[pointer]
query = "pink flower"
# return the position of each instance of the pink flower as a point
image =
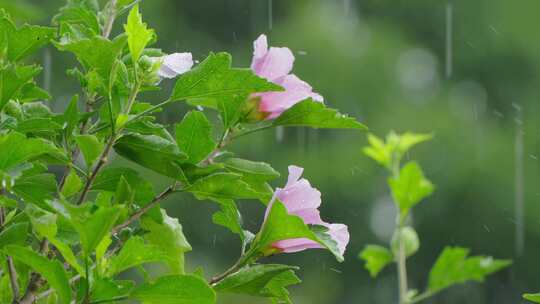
(301, 199)
(174, 64)
(275, 64)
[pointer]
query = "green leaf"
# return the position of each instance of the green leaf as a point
(42, 126)
(194, 136)
(454, 267)
(25, 40)
(376, 258)
(97, 53)
(44, 223)
(105, 289)
(169, 237)
(137, 32)
(229, 217)
(410, 187)
(152, 152)
(314, 114)
(77, 13)
(280, 225)
(135, 252)
(214, 77)
(124, 193)
(221, 186)
(72, 184)
(411, 242)
(35, 188)
(533, 297)
(52, 271)
(92, 227)
(268, 280)
(255, 170)
(175, 289)
(91, 148)
(386, 153)
(230, 108)
(13, 78)
(14, 234)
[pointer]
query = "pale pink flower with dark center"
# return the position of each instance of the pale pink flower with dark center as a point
(274, 64)
(301, 199)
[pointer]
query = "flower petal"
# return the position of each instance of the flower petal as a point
(175, 64)
(296, 90)
(296, 245)
(271, 63)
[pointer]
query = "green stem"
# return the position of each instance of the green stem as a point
(252, 131)
(110, 300)
(421, 297)
(402, 255)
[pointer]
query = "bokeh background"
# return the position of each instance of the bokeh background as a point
(465, 70)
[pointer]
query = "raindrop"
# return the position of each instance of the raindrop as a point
(280, 133)
(270, 15)
(519, 183)
(448, 61)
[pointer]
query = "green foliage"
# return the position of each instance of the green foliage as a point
(453, 266)
(533, 297)
(214, 77)
(137, 32)
(194, 136)
(169, 237)
(410, 187)
(74, 221)
(408, 236)
(175, 289)
(52, 271)
(376, 258)
(314, 114)
(268, 281)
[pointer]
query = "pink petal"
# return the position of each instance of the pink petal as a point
(296, 90)
(296, 245)
(175, 64)
(294, 174)
(340, 234)
(271, 63)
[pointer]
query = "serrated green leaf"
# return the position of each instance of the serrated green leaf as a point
(13, 78)
(77, 13)
(36, 188)
(42, 126)
(255, 170)
(454, 267)
(169, 237)
(105, 289)
(14, 234)
(392, 150)
(135, 252)
(90, 147)
(268, 280)
(152, 152)
(221, 186)
(175, 289)
(72, 184)
(314, 114)
(138, 33)
(194, 136)
(92, 227)
(97, 53)
(214, 77)
(410, 187)
(52, 271)
(376, 258)
(533, 297)
(229, 217)
(25, 40)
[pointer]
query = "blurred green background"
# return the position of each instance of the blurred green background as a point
(465, 70)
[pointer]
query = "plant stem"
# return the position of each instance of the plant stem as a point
(107, 28)
(12, 272)
(402, 255)
(252, 131)
(421, 297)
(135, 216)
(234, 268)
